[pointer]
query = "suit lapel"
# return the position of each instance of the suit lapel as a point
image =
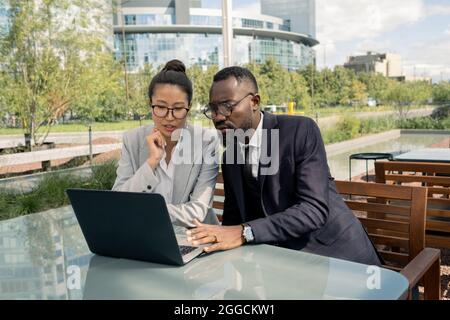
(143, 149)
(183, 170)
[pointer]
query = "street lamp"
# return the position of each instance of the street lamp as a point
(227, 32)
(124, 53)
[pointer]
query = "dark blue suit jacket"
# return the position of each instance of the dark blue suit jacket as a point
(302, 206)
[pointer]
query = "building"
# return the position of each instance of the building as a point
(300, 14)
(3, 16)
(161, 30)
(412, 78)
(387, 64)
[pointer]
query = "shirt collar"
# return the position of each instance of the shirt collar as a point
(177, 148)
(256, 139)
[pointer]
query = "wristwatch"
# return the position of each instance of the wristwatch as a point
(247, 233)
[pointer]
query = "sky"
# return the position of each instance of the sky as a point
(418, 30)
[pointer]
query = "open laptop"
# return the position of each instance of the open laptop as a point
(129, 225)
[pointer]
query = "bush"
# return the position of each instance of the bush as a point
(349, 127)
(422, 123)
(104, 176)
(441, 113)
(51, 191)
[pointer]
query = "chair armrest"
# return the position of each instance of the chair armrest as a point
(425, 265)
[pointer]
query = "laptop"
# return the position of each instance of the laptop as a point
(129, 225)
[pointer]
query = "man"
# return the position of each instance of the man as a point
(295, 206)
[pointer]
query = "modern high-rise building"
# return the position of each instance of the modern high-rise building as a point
(300, 14)
(3, 16)
(156, 31)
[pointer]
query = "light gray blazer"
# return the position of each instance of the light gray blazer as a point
(195, 178)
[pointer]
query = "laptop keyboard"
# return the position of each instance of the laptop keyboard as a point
(186, 249)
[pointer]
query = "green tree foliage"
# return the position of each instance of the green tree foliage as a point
(404, 95)
(441, 93)
(138, 99)
(51, 65)
(201, 79)
(376, 85)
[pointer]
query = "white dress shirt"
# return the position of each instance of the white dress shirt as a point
(255, 147)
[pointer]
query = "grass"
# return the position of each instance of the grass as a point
(342, 110)
(350, 127)
(101, 126)
(79, 127)
(198, 119)
(50, 191)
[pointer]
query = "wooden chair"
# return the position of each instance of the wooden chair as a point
(397, 231)
(434, 176)
(399, 241)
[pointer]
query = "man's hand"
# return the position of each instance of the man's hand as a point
(220, 237)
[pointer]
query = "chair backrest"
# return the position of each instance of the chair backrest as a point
(393, 216)
(219, 196)
(434, 176)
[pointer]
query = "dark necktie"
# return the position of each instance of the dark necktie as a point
(247, 165)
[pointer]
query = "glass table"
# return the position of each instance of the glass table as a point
(45, 256)
(426, 155)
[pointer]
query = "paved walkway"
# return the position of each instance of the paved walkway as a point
(10, 141)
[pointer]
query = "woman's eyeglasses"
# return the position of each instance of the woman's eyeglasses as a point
(177, 113)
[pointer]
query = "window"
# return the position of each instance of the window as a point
(250, 23)
(130, 19)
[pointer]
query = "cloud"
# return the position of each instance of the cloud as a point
(348, 27)
(254, 6)
(436, 10)
(434, 60)
(345, 20)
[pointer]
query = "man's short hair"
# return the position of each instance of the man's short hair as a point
(239, 73)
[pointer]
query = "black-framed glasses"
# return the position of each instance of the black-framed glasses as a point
(177, 113)
(225, 109)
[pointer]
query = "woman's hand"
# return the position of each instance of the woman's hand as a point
(156, 147)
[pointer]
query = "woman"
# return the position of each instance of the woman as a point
(169, 157)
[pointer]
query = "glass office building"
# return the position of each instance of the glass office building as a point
(156, 31)
(3, 16)
(301, 14)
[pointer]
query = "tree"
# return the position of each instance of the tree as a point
(202, 81)
(441, 93)
(376, 85)
(403, 95)
(52, 60)
(298, 91)
(358, 93)
(138, 99)
(274, 80)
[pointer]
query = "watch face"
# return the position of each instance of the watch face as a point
(248, 234)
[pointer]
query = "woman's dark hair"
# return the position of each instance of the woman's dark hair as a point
(173, 73)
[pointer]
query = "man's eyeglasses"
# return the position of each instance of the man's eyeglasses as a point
(225, 108)
(177, 113)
